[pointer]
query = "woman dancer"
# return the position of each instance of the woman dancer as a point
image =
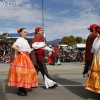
(22, 73)
(93, 81)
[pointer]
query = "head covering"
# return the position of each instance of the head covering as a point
(37, 29)
(92, 27)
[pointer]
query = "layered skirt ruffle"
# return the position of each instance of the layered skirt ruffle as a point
(22, 72)
(93, 81)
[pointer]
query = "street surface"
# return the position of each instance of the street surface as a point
(70, 84)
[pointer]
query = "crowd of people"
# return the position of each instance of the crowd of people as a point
(66, 56)
(72, 56)
(7, 55)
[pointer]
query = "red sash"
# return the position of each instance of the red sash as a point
(40, 52)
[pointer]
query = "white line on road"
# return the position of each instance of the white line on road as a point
(67, 85)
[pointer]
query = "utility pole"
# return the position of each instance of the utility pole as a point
(43, 16)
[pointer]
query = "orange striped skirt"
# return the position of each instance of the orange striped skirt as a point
(22, 72)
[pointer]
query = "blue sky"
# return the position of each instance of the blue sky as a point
(61, 17)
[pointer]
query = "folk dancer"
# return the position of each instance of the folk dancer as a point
(22, 73)
(88, 54)
(39, 46)
(93, 81)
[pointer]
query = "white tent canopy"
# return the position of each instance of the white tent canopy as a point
(79, 46)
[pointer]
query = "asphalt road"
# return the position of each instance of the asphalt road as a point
(70, 85)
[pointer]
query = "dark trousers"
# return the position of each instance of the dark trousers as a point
(33, 58)
(87, 66)
(53, 61)
(42, 67)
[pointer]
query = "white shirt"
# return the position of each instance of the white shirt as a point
(96, 47)
(23, 45)
(40, 45)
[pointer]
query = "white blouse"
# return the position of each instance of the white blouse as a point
(23, 45)
(96, 47)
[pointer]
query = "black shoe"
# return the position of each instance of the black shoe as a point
(56, 85)
(24, 91)
(53, 87)
(20, 93)
(85, 71)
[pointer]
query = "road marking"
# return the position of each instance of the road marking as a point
(72, 85)
(67, 85)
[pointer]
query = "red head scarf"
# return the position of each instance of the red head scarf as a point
(37, 29)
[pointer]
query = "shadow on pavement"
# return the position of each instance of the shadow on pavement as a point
(9, 89)
(2, 93)
(13, 90)
(77, 90)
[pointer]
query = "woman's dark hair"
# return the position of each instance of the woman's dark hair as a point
(20, 30)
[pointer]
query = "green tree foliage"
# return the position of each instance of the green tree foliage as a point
(10, 40)
(5, 40)
(79, 39)
(71, 40)
(5, 34)
(64, 40)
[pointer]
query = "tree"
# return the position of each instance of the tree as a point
(64, 40)
(5, 40)
(5, 34)
(10, 40)
(79, 39)
(71, 40)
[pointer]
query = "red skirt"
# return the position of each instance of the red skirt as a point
(49, 61)
(22, 72)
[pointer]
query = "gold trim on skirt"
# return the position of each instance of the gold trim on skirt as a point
(93, 81)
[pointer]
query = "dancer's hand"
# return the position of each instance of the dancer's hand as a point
(21, 52)
(45, 45)
(32, 49)
(53, 50)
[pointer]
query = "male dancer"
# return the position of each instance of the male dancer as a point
(39, 45)
(88, 54)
